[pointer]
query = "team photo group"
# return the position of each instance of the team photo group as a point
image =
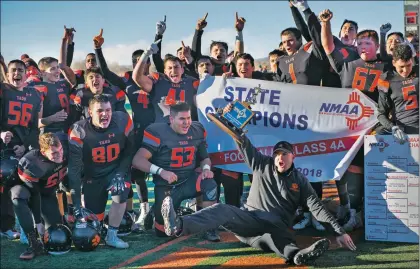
(77, 146)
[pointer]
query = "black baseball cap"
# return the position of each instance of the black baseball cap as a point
(283, 146)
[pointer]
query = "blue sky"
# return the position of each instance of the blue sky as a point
(36, 27)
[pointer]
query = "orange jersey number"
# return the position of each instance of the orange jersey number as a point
(106, 153)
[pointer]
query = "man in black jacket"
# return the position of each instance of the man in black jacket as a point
(277, 190)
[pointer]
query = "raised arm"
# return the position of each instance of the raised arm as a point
(157, 57)
(327, 38)
(300, 22)
(139, 77)
(70, 48)
(199, 29)
(384, 29)
(110, 76)
(66, 70)
(239, 40)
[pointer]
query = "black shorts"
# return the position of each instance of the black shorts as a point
(95, 193)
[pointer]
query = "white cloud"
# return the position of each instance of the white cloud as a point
(256, 45)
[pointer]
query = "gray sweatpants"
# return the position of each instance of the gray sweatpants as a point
(247, 227)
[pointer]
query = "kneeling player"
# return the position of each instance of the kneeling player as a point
(102, 147)
(40, 171)
(170, 152)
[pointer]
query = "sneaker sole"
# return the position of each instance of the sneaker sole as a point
(166, 210)
(319, 249)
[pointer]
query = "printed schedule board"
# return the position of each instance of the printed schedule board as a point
(391, 189)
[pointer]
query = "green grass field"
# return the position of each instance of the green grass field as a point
(148, 251)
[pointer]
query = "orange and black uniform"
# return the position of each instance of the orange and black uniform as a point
(178, 153)
(35, 194)
(100, 154)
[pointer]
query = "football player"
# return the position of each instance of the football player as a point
(168, 88)
(399, 93)
(358, 70)
(102, 147)
(95, 84)
(142, 115)
(171, 152)
(40, 172)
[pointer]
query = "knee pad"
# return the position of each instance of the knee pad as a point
(121, 198)
(20, 192)
(209, 189)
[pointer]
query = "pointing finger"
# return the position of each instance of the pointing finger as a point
(205, 16)
(236, 13)
(183, 45)
(164, 19)
(230, 69)
(101, 32)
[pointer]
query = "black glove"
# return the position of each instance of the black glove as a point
(117, 185)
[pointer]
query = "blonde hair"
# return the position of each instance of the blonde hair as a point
(48, 140)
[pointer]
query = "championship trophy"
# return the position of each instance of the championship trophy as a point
(234, 121)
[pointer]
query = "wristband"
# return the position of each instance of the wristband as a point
(206, 167)
(239, 36)
(159, 171)
(154, 169)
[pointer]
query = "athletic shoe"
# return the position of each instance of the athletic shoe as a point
(112, 240)
(317, 225)
(303, 223)
(11, 234)
(312, 252)
(172, 223)
(212, 235)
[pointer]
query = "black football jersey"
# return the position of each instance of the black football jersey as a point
(35, 168)
(165, 91)
(400, 96)
(98, 150)
(175, 152)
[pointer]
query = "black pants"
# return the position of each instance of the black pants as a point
(95, 194)
(246, 226)
(191, 188)
(233, 186)
(7, 214)
(23, 203)
(139, 177)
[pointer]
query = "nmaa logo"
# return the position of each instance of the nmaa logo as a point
(353, 110)
(381, 144)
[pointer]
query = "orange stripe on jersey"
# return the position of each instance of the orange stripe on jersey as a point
(152, 137)
(127, 75)
(231, 174)
(129, 126)
(155, 76)
(160, 227)
(383, 85)
(198, 183)
(26, 176)
(120, 95)
(205, 134)
(292, 73)
(195, 84)
(74, 137)
(307, 46)
(41, 88)
(345, 53)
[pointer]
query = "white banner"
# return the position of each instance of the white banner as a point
(391, 189)
(326, 125)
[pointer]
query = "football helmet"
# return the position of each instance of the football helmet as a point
(57, 239)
